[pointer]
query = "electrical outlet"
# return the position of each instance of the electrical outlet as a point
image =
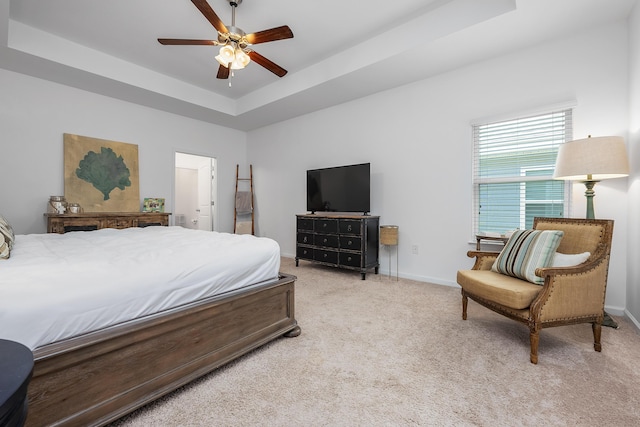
(415, 249)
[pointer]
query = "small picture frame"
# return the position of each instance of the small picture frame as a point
(153, 204)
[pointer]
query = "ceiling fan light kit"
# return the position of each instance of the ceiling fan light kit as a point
(231, 56)
(235, 52)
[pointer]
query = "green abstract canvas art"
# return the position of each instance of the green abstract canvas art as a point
(101, 175)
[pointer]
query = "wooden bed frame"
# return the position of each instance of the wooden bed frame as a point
(96, 378)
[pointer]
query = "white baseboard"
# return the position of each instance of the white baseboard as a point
(633, 319)
(616, 311)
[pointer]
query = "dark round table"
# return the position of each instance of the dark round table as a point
(16, 367)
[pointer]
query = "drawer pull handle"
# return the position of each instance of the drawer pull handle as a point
(350, 243)
(325, 240)
(305, 239)
(348, 258)
(325, 255)
(349, 227)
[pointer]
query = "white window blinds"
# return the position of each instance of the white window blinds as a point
(513, 169)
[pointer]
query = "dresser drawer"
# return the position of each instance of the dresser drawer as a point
(349, 226)
(326, 226)
(325, 256)
(350, 259)
(153, 222)
(121, 222)
(62, 226)
(305, 238)
(305, 224)
(304, 253)
(326, 240)
(351, 243)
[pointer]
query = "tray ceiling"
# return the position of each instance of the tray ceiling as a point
(340, 50)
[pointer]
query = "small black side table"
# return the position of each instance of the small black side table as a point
(16, 367)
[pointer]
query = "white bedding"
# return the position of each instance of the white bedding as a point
(56, 286)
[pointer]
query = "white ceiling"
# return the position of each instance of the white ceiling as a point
(341, 50)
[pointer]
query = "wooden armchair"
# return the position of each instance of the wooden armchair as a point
(569, 295)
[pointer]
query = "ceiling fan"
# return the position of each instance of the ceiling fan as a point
(235, 52)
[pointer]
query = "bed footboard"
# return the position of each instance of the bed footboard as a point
(99, 377)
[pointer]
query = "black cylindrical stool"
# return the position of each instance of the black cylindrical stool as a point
(16, 367)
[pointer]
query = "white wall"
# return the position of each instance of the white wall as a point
(633, 248)
(418, 140)
(34, 115)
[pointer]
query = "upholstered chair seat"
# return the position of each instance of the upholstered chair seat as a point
(503, 290)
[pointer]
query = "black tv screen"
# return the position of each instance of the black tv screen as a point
(339, 189)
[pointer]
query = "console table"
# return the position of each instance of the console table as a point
(62, 223)
(343, 241)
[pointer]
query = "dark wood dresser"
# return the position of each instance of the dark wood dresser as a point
(62, 223)
(343, 241)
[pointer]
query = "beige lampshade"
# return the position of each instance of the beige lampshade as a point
(389, 235)
(592, 159)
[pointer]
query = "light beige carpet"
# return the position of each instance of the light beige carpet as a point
(385, 353)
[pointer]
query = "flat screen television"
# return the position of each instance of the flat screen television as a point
(339, 189)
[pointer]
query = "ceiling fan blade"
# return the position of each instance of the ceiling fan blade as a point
(269, 65)
(211, 16)
(187, 42)
(273, 34)
(223, 72)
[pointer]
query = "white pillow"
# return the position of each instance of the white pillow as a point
(569, 260)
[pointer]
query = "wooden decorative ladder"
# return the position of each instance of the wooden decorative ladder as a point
(243, 215)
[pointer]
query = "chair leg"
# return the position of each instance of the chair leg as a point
(465, 301)
(534, 338)
(597, 330)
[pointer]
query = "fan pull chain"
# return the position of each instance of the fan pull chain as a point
(230, 76)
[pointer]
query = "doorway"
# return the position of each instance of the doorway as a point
(195, 191)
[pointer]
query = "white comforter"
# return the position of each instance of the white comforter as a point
(56, 286)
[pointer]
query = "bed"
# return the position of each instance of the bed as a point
(118, 318)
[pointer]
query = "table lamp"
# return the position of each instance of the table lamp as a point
(590, 160)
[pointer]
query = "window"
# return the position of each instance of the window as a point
(513, 171)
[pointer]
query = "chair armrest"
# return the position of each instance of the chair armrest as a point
(598, 257)
(572, 292)
(484, 259)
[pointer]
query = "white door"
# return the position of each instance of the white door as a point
(185, 210)
(194, 203)
(205, 204)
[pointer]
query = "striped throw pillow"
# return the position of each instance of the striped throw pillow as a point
(527, 250)
(7, 231)
(4, 248)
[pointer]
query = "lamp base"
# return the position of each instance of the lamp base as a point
(589, 194)
(608, 321)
